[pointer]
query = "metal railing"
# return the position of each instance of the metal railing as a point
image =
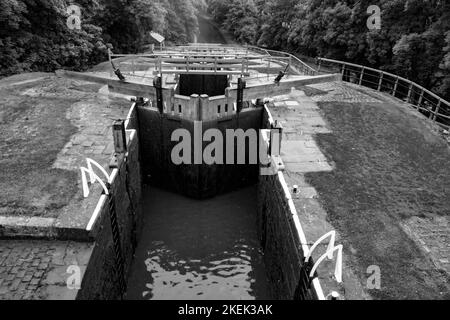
(295, 63)
(426, 102)
(218, 56)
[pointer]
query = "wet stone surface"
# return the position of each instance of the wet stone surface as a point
(32, 270)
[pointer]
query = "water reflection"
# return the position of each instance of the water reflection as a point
(199, 249)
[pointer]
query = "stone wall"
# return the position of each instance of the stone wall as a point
(280, 233)
(283, 254)
(101, 279)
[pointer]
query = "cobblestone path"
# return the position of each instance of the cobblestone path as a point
(31, 270)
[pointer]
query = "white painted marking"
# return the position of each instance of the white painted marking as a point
(130, 115)
(338, 268)
(96, 213)
(318, 289)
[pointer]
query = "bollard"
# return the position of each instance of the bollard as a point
(240, 94)
(334, 295)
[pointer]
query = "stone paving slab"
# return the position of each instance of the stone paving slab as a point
(301, 120)
(92, 112)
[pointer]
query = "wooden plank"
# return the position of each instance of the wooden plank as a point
(202, 66)
(123, 87)
(270, 89)
(201, 72)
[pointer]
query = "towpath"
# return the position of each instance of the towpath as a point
(374, 170)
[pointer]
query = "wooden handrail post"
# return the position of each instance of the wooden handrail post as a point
(343, 72)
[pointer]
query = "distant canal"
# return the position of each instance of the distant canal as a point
(198, 249)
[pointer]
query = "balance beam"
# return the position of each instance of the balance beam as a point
(123, 87)
(270, 89)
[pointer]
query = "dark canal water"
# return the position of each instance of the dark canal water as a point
(198, 249)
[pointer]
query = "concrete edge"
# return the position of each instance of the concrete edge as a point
(298, 226)
(51, 228)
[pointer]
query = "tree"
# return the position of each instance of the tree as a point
(34, 35)
(412, 40)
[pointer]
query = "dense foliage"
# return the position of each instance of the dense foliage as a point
(34, 35)
(414, 40)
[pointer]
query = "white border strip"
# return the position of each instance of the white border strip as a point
(271, 121)
(114, 173)
(300, 232)
(318, 288)
(96, 213)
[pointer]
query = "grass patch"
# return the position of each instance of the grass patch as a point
(389, 167)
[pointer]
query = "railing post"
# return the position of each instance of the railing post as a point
(320, 64)
(361, 76)
(381, 81)
(409, 92)
(419, 104)
(436, 111)
(343, 72)
(395, 87)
